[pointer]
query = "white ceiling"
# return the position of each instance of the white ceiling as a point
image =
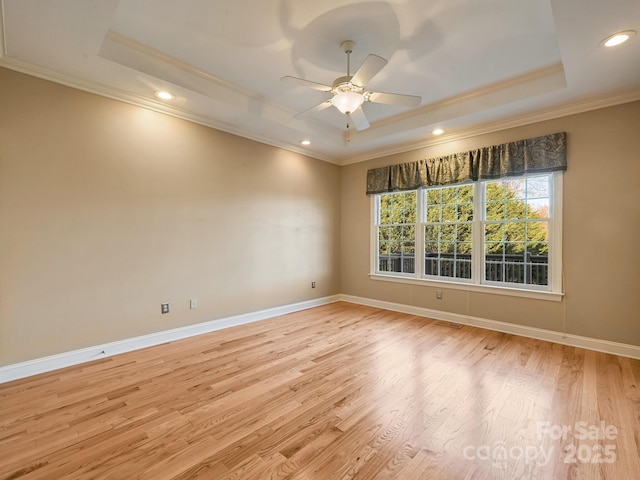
(479, 65)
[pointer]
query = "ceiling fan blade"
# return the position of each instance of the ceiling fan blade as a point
(359, 119)
(371, 66)
(301, 82)
(394, 99)
(317, 108)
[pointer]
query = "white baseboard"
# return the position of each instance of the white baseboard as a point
(605, 346)
(75, 357)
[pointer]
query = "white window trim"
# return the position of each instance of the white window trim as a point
(552, 292)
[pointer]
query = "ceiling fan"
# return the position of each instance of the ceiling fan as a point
(348, 93)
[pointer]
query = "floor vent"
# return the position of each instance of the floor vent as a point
(449, 324)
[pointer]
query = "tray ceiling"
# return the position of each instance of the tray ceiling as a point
(477, 64)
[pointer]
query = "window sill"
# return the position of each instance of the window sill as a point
(490, 289)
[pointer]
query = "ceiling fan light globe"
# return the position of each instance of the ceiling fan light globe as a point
(347, 102)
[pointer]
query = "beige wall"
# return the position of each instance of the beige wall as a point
(107, 210)
(601, 232)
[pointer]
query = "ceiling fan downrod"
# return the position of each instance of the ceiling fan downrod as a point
(347, 46)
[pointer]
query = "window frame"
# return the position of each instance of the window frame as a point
(553, 291)
(424, 223)
(377, 226)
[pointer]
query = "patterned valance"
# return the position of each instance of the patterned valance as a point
(533, 155)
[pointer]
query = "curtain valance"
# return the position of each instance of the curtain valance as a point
(533, 155)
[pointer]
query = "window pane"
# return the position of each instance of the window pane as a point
(384, 210)
(463, 248)
(513, 248)
(465, 212)
(446, 247)
(494, 232)
(538, 187)
(537, 231)
(396, 233)
(515, 188)
(540, 248)
(538, 208)
(539, 271)
(434, 213)
(515, 210)
(463, 259)
(431, 248)
(447, 266)
(449, 213)
(463, 267)
(409, 248)
(515, 231)
(463, 232)
(431, 233)
(433, 196)
(409, 205)
(465, 194)
(495, 210)
(516, 245)
(448, 231)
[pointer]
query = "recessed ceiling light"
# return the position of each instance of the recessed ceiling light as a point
(618, 38)
(438, 131)
(306, 142)
(163, 94)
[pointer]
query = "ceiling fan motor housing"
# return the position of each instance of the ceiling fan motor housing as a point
(343, 84)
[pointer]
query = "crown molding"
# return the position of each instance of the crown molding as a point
(523, 120)
(474, 131)
(149, 104)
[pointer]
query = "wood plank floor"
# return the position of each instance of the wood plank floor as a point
(338, 391)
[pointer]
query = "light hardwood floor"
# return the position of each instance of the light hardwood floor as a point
(339, 391)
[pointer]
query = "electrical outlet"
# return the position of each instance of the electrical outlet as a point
(164, 308)
(313, 284)
(193, 304)
(439, 294)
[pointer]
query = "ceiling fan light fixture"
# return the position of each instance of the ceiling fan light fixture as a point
(347, 102)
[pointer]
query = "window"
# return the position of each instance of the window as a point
(396, 232)
(448, 228)
(516, 230)
(497, 233)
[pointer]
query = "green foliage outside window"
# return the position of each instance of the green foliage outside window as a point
(515, 237)
(397, 231)
(516, 216)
